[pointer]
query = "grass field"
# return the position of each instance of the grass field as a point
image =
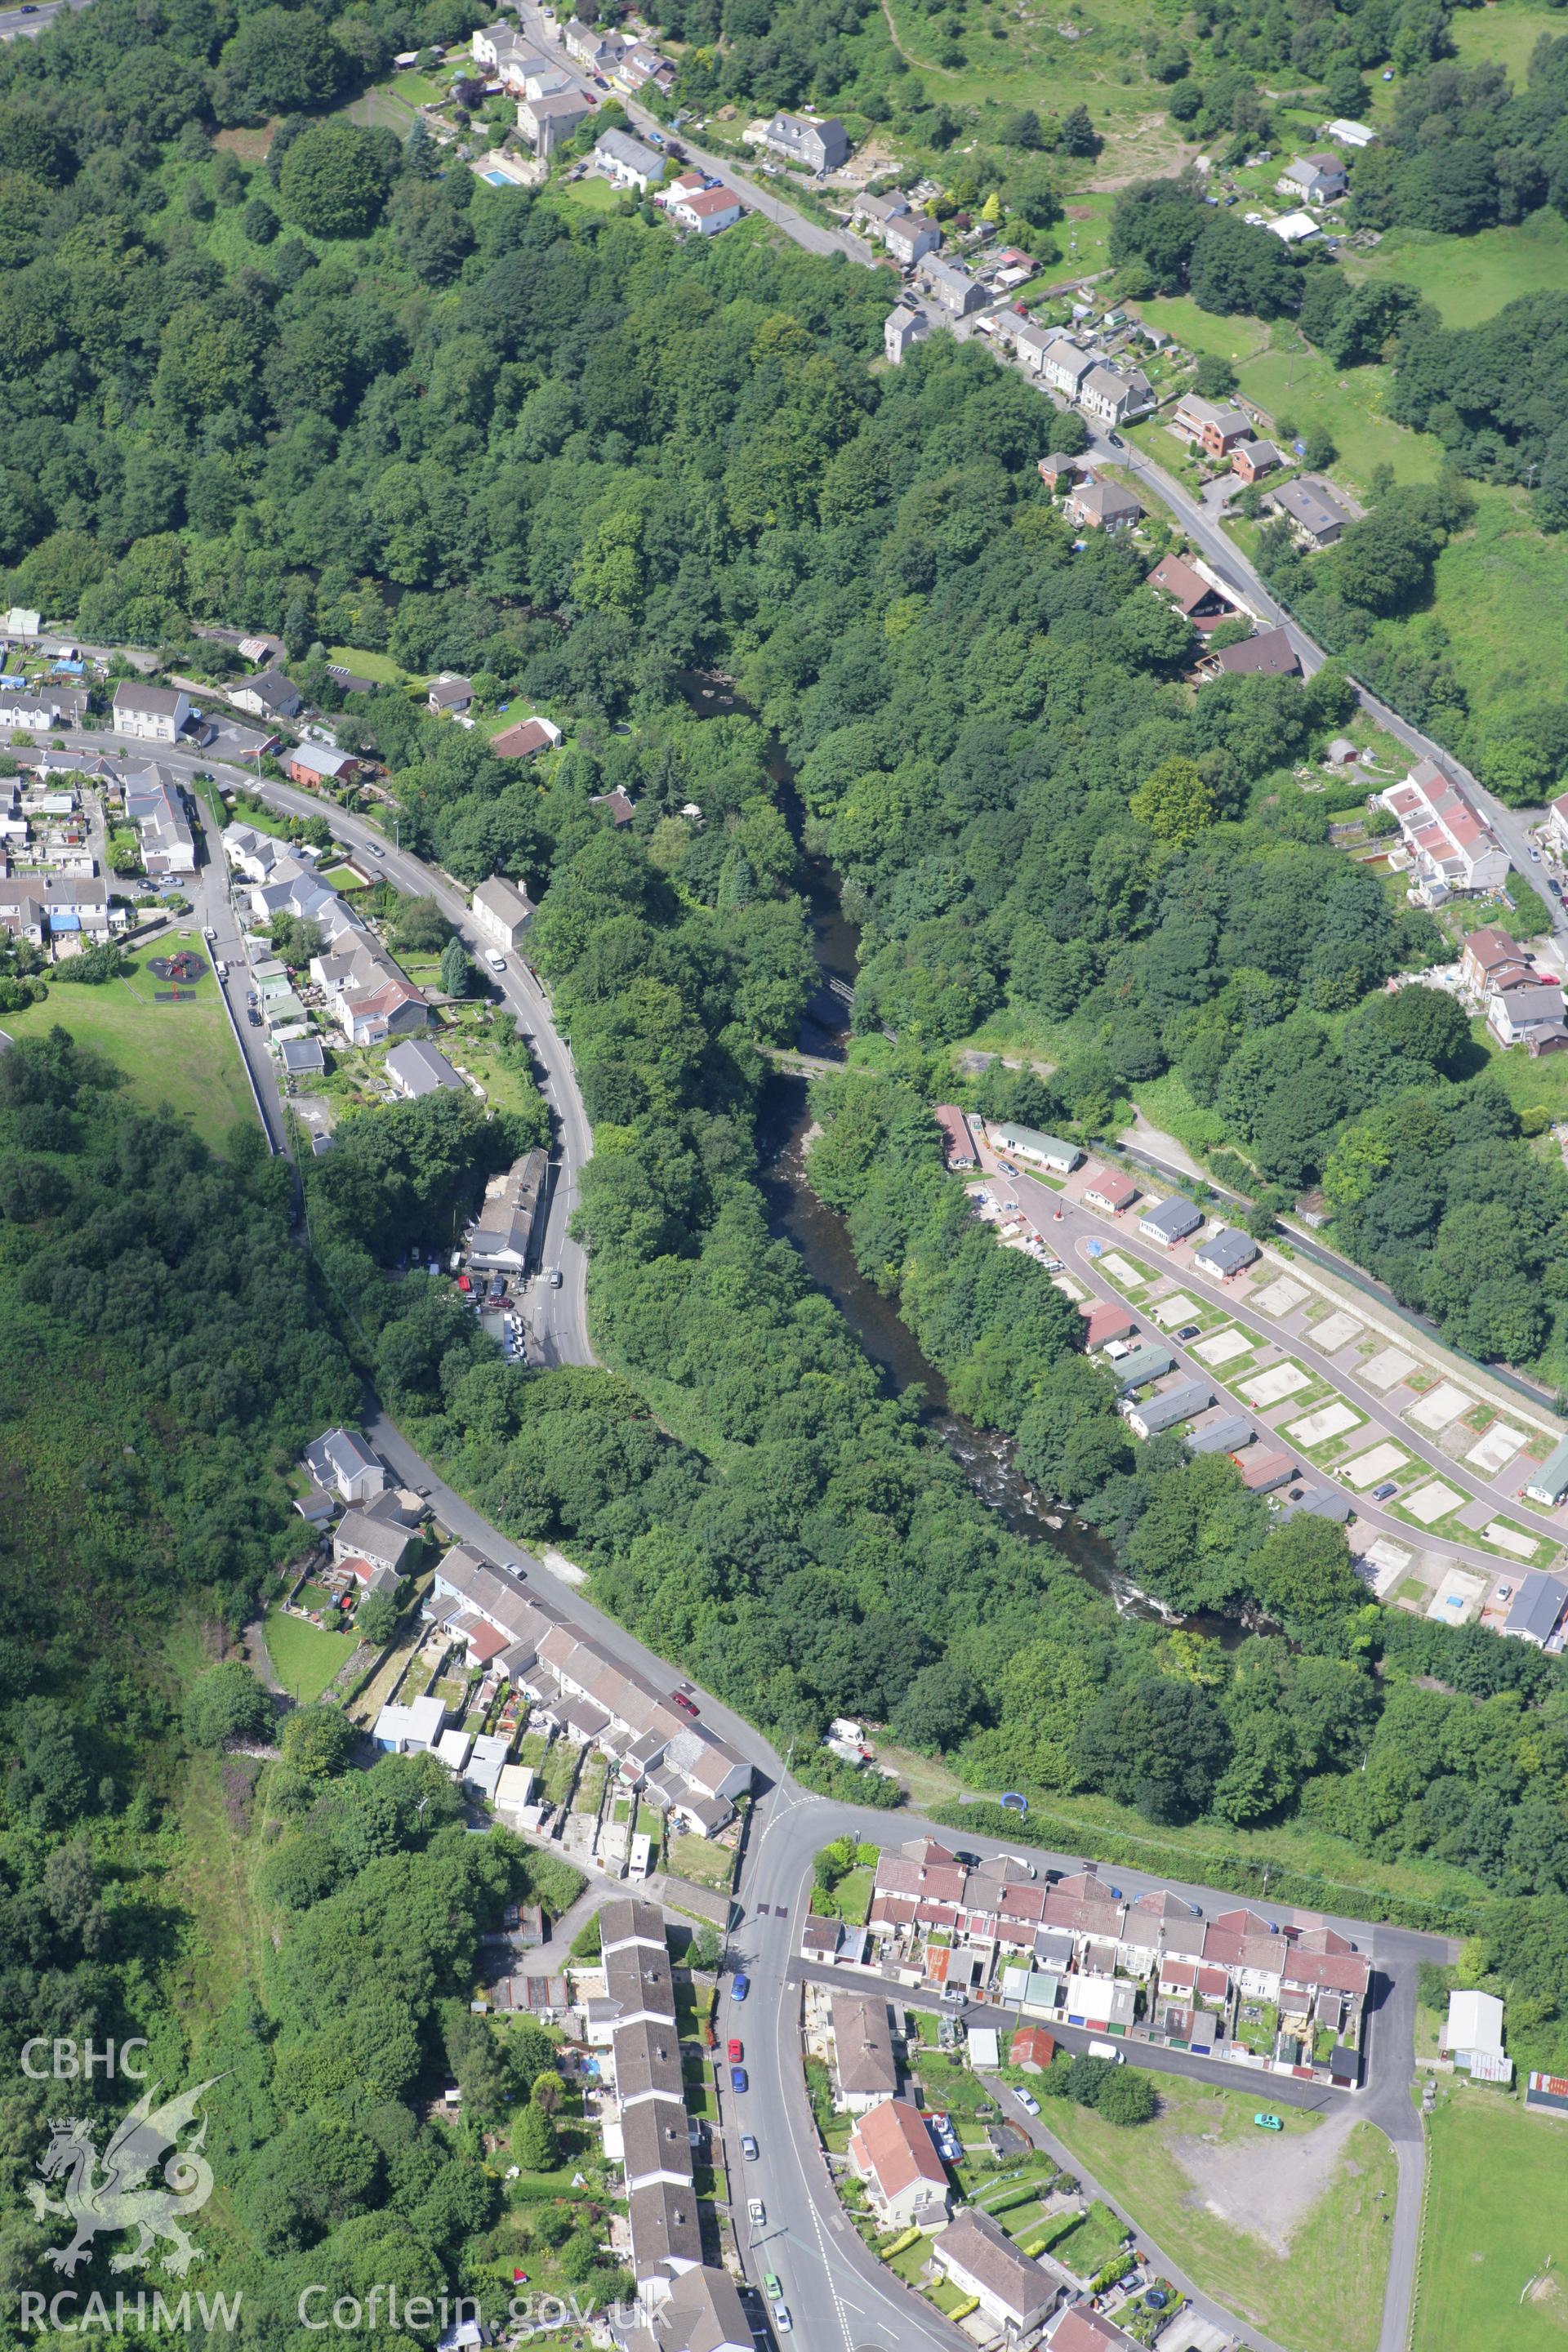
(1501, 34)
(379, 666)
(1502, 586)
(1496, 2217)
(1328, 2288)
(593, 195)
(306, 1658)
(180, 1054)
(1472, 278)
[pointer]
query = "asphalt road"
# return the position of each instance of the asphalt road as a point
(838, 2294)
(1079, 1226)
(807, 234)
(560, 1317)
(15, 21)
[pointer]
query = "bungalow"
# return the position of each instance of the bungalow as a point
(629, 161)
(817, 147)
(1045, 1150)
(1263, 1468)
(268, 696)
(1225, 1251)
(1214, 426)
(864, 2063)
(902, 329)
(342, 1460)
(1197, 600)
(410, 1730)
(1115, 396)
(527, 740)
(980, 2260)
(1147, 1362)
(393, 1009)
(313, 764)
(155, 714)
(416, 1068)
(1271, 654)
(891, 2149)
(1104, 1322)
(548, 121)
(1169, 1222)
(1549, 1484)
(1345, 133)
(1101, 506)
(1167, 1408)
(957, 1143)
(1250, 460)
(949, 285)
(1228, 1434)
(1313, 179)
(1080, 2328)
(501, 911)
(1315, 515)
(449, 695)
(1110, 1190)
(618, 804)
(1294, 228)
(1537, 1610)
(301, 1057)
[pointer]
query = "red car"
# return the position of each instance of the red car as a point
(682, 1702)
(735, 2053)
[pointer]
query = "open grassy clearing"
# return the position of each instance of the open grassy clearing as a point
(179, 1053)
(1501, 34)
(1502, 587)
(1472, 278)
(1204, 2152)
(1496, 2220)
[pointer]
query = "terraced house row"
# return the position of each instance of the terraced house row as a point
(577, 1688)
(1077, 1952)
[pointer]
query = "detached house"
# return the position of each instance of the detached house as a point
(1101, 506)
(1211, 426)
(1250, 460)
(1313, 179)
(501, 911)
(816, 147)
(866, 2068)
(270, 696)
(1269, 654)
(340, 1460)
(891, 2150)
(1314, 514)
(947, 285)
(449, 696)
(548, 120)
(629, 161)
(1197, 599)
(901, 330)
(1494, 962)
(157, 714)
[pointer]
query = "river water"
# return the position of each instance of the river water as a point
(818, 1232)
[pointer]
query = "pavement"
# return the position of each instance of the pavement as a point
(29, 23)
(1071, 1238)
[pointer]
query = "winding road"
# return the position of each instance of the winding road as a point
(840, 2297)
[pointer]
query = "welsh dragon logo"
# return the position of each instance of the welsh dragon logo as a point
(123, 2196)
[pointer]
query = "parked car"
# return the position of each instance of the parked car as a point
(782, 2319)
(1381, 1494)
(734, 2051)
(740, 1989)
(956, 1994)
(1189, 1331)
(770, 2286)
(1504, 1591)
(738, 2081)
(756, 2212)
(1025, 2099)
(747, 2147)
(679, 1700)
(1268, 2123)
(208, 932)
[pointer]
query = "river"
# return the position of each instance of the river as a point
(819, 1233)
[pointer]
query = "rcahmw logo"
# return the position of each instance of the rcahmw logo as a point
(146, 2182)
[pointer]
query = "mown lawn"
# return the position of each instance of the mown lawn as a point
(181, 1054)
(305, 1656)
(1496, 2220)
(1327, 2290)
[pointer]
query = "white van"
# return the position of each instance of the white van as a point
(1106, 2050)
(496, 962)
